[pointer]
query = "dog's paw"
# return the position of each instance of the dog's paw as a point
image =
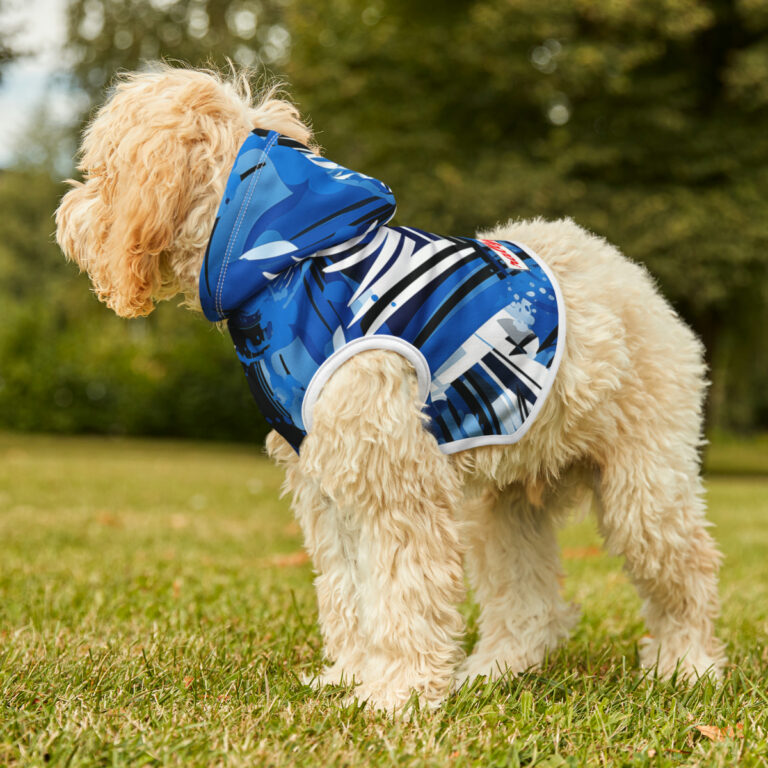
(335, 674)
(393, 701)
(510, 654)
(681, 659)
(491, 668)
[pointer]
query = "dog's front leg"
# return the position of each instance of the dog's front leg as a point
(330, 539)
(389, 517)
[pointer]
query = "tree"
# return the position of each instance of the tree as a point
(646, 121)
(67, 364)
(106, 36)
(7, 50)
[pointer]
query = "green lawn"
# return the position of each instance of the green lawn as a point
(155, 610)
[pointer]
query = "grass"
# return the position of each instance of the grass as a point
(736, 455)
(155, 610)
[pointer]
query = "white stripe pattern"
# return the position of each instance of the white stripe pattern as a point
(413, 288)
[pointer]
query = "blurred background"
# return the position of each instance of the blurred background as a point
(645, 121)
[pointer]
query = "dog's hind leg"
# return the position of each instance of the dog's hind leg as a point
(652, 513)
(370, 455)
(513, 563)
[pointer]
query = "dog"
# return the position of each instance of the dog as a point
(393, 509)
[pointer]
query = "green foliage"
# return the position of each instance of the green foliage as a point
(154, 612)
(67, 364)
(727, 454)
(7, 50)
(160, 376)
(645, 121)
(110, 35)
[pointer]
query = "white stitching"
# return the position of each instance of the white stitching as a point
(361, 344)
(238, 223)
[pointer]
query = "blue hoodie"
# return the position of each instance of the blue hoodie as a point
(306, 273)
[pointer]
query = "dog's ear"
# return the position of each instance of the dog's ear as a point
(165, 182)
(148, 187)
(143, 169)
(154, 161)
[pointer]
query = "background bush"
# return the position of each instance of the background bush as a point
(645, 121)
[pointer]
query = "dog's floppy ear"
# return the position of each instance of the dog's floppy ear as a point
(154, 161)
(138, 189)
(121, 251)
(148, 188)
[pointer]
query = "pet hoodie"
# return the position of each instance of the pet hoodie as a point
(304, 269)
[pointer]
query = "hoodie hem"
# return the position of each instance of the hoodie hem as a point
(349, 350)
(479, 440)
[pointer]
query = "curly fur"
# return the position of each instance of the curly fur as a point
(388, 518)
(155, 161)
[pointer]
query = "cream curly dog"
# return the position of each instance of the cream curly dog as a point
(390, 512)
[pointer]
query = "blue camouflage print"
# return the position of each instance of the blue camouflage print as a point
(304, 269)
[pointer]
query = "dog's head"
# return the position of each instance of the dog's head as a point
(155, 159)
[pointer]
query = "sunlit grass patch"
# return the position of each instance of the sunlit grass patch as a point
(155, 608)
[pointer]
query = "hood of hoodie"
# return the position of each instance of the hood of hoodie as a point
(283, 204)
